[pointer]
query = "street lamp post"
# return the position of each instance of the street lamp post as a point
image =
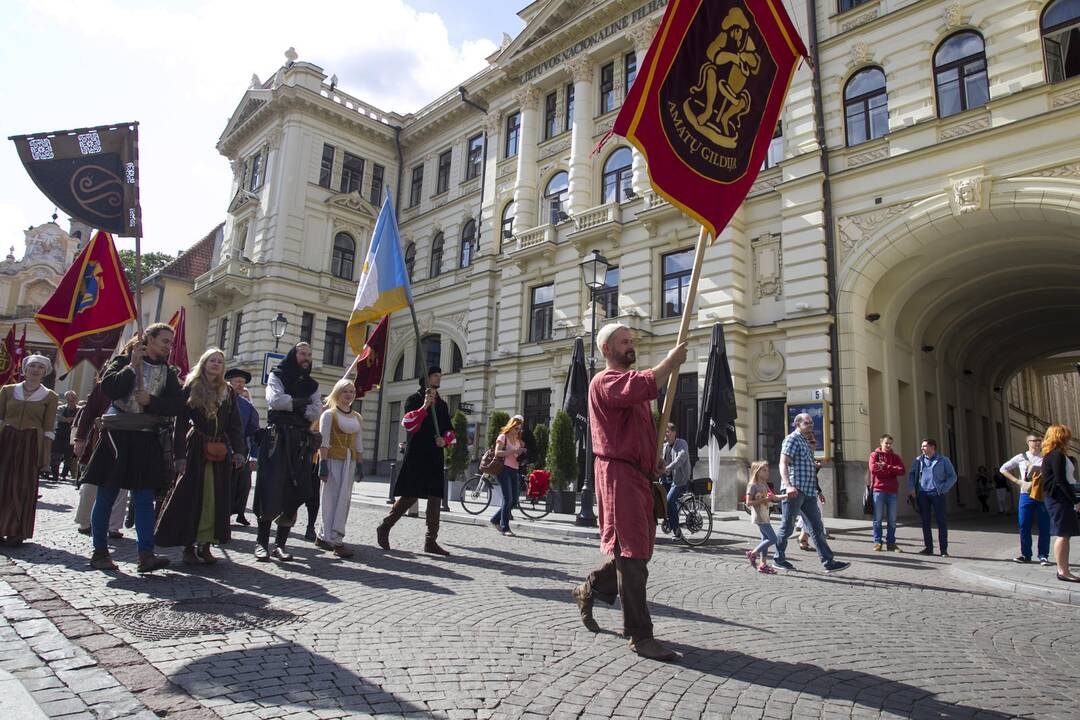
(594, 271)
(277, 327)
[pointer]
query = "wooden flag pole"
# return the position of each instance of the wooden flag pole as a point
(684, 330)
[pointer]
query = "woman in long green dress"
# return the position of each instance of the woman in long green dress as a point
(208, 442)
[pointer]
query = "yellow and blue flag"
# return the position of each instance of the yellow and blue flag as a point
(384, 281)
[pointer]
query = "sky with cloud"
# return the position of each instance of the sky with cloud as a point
(180, 68)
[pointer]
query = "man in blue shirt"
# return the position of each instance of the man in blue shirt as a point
(799, 481)
(931, 477)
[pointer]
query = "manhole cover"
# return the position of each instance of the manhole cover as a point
(190, 618)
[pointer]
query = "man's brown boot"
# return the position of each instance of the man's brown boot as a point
(585, 604)
(101, 560)
(652, 648)
(382, 533)
(431, 545)
(149, 562)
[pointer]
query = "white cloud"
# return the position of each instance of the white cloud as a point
(180, 69)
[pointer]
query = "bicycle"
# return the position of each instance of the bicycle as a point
(695, 515)
(477, 492)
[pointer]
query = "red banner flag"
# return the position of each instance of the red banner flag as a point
(369, 365)
(707, 99)
(9, 359)
(93, 297)
(178, 356)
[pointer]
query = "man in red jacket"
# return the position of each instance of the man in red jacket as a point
(885, 469)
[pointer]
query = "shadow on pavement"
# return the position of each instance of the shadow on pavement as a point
(288, 674)
(859, 688)
(659, 609)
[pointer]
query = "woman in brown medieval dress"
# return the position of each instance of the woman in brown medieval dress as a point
(209, 442)
(28, 415)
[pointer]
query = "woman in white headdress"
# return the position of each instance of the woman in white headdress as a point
(27, 417)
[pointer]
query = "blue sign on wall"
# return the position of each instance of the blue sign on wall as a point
(819, 411)
(270, 361)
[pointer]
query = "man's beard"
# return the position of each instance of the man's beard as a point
(305, 366)
(626, 359)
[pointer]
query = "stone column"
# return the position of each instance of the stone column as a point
(641, 37)
(582, 72)
(490, 213)
(525, 197)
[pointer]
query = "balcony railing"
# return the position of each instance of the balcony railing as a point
(601, 215)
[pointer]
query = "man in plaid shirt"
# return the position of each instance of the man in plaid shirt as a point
(800, 485)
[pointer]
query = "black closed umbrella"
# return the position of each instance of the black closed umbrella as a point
(576, 392)
(718, 412)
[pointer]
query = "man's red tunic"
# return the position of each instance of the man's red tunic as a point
(623, 434)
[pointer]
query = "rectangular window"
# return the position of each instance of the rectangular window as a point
(326, 166)
(307, 327)
(416, 186)
(334, 346)
(607, 297)
(771, 429)
(846, 5)
(536, 407)
(239, 323)
(256, 171)
(223, 333)
(474, 157)
(352, 173)
(442, 178)
(378, 173)
(550, 117)
(607, 88)
(541, 310)
(776, 147)
(569, 107)
(630, 70)
(675, 282)
(513, 134)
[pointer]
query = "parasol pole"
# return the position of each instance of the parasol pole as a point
(684, 330)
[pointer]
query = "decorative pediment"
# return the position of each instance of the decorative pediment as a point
(243, 199)
(254, 99)
(353, 203)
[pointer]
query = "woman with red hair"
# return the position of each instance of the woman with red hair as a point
(1058, 471)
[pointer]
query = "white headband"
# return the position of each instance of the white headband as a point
(605, 332)
(40, 360)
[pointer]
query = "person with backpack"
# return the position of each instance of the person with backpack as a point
(1020, 470)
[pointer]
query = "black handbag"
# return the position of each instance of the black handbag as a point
(868, 501)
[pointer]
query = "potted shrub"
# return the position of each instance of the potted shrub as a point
(562, 463)
(457, 455)
(540, 434)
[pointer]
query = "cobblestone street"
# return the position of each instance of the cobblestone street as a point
(492, 632)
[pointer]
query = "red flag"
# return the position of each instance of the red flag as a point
(369, 366)
(92, 297)
(178, 357)
(707, 99)
(9, 364)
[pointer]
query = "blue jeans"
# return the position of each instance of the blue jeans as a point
(143, 501)
(508, 485)
(807, 506)
(672, 506)
(1028, 511)
(768, 537)
(935, 502)
(885, 505)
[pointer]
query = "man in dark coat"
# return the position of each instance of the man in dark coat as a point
(427, 421)
(135, 449)
(286, 453)
(249, 423)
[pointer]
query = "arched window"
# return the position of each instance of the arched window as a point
(960, 73)
(468, 241)
(618, 175)
(431, 348)
(410, 259)
(558, 188)
(344, 256)
(507, 224)
(399, 369)
(456, 361)
(436, 255)
(1060, 25)
(866, 106)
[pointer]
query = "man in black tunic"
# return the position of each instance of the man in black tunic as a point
(135, 449)
(427, 420)
(286, 455)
